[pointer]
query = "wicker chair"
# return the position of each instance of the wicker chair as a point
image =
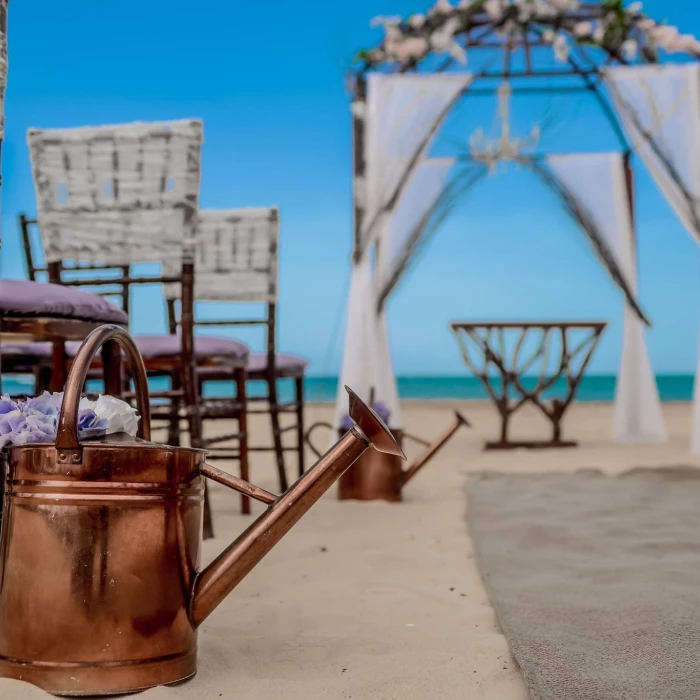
(113, 196)
(236, 260)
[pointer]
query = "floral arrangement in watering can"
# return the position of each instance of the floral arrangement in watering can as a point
(35, 420)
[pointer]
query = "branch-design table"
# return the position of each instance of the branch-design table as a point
(530, 359)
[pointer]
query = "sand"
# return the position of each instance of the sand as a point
(376, 601)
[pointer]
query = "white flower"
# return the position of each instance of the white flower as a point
(561, 47)
(359, 109)
(443, 41)
(410, 49)
(629, 49)
(548, 36)
(392, 40)
(442, 37)
(416, 21)
(543, 10)
(464, 4)
(599, 33)
(684, 43)
(564, 5)
(442, 7)
(494, 9)
(382, 21)
(646, 24)
(525, 10)
(664, 35)
(120, 416)
(634, 8)
(582, 29)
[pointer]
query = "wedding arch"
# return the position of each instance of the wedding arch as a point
(404, 89)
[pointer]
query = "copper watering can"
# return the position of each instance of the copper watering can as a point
(380, 475)
(100, 587)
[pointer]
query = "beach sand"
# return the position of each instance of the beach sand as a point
(375, 601)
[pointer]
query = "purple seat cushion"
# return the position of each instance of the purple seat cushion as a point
(206, 347)
(21, 298)
(22, 350)
(286, 366)
(152, 347)
(284, 363)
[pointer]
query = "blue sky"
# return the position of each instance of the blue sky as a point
(267, 77)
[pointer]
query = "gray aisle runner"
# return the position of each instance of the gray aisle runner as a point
(595, 579)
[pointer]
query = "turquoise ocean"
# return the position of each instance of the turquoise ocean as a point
(672, 387)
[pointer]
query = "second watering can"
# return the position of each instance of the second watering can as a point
(101, 590)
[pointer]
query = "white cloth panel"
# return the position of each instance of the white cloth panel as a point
(366, 358)
(235, 256)
(386, 388)
(119, 194)
(402, 114)
(418, 199)
(597, 181)
(659, 107)
(357, 372)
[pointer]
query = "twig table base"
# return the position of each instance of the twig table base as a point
(552, 352)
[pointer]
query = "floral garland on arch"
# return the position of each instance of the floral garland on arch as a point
(624, 32)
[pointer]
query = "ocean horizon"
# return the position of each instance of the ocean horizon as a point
(672, 387)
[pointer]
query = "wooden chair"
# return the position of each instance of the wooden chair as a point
(236, 260)
(111, 197)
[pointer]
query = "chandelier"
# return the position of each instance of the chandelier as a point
(491, 151)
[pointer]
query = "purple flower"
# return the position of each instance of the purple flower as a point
(380, 408)
(89, 425)
(48, 404)
(6, 404)
(18, 428)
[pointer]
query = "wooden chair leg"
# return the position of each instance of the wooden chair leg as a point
(276, 431)
(174, 421)
(112, 368)
(42, 380)
(194, 424)
(299, 396)
(240, 378)
(59, 371)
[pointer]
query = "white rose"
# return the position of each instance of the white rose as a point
(120, 416)
(494, 9)
(442, 7)
(629, 49)
(582, 29)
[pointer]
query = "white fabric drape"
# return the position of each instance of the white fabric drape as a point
(356, 370)
(659, 107)
(597, 181)
(420, 196)
(403, 112)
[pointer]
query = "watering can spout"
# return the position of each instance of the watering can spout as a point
(216, 581)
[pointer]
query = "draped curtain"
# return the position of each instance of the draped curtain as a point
(659, 107)
(402, 115)
(598, 183)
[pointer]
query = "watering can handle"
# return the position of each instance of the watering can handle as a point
(307, 437)
(67, 435)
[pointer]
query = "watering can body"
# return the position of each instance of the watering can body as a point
(101, 591)
(98, 568)
(380, 475)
